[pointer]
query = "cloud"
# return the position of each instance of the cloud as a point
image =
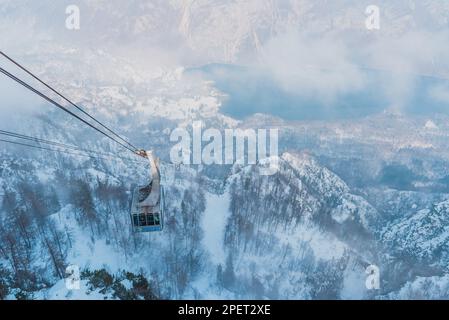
(312, 66)
(440, 93)
(329, 66)
(405, 58)
(311, 48)
(420, 52)
(15, 101)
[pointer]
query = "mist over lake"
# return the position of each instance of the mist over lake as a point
(249, 91)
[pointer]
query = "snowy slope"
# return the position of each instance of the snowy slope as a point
(349, 193)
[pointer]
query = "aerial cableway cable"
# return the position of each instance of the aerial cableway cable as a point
(60, 151)
(29, 87)
(68, 100)
(61, 145)
(148, 201)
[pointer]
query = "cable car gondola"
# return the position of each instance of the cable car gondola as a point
(147, 207)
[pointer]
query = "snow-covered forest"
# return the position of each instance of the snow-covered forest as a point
(363, 139)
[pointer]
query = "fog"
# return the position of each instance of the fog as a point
(17, 103)
(315, 49)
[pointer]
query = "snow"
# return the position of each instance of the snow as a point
(214, 223)
(127, 284)
(426, 288)
(430, 125)
(60, 292)
(2, 192)
(208, 290)
(324, 246)
(173, 96)
(179, 109)
(344, 211)
(45, 175)
(85, 253)
(353, 284)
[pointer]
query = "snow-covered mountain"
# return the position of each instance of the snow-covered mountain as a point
(204, 31)
(349, 193)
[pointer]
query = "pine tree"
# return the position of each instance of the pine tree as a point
(220, 275)
(228, 274)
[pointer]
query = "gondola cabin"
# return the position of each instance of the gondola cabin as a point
(147, 208)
